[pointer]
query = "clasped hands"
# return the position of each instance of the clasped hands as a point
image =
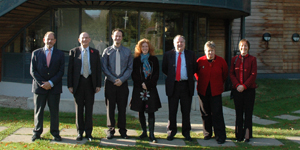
(118, 82)
(46, 85)
(240, 88)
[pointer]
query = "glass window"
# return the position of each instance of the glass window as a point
(127, 20)
(96, 23)
(173, 27)
(67, 28)
(201, 36)
(17, 45)
(35, 33)
(152, 29)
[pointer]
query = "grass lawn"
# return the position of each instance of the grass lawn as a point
(273, 97)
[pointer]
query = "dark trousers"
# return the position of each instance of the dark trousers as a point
(181, 94)
(116, 95)
(84, 102)
(212, 116)
(244, 103)
(39, 101)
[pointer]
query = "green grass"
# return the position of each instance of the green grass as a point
(274, 97)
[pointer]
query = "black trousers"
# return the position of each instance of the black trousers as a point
(212, 115)
(181, 95)
(39, 101)
(244, 103)
(84, 102)
(116, 95)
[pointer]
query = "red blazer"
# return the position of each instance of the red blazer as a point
(250, 71)
(214, 73)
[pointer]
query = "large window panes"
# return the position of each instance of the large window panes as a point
(201, 35)
(152, 29)
(173, 27)
(127, 20)
(16, 46)
(35, 33)
(96, 23)
(67, 28)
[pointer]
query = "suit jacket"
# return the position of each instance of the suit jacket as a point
(74, 68)
(249, 74)
(168, 68)
(41, 72)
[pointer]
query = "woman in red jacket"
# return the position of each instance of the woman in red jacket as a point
(211, 75)
(243, 73)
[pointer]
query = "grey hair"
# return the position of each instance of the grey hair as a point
(210, 44)
(178, 36)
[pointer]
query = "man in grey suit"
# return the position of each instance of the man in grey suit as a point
(47, 68)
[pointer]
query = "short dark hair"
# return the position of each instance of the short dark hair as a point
(245, 40)
(117, 29)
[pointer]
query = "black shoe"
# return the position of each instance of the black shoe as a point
(188, 138)
(239, 140)
(170, 137)
(89, 137)
(35, 137)
(143, 135)
(207, 137)
(124, 136)
(247, 140)
(57, 138)
(79, 137)
(221, 141)
(109, 136)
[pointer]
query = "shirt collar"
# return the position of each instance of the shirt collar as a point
(117, 48)
(88, 48)
(244, 56)
(45, 48)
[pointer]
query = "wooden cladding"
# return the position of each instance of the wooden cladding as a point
(280, 18)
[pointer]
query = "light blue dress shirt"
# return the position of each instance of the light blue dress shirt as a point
(46, 53)
(183, 71)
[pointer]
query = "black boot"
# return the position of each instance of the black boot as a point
(151, 130)
(143, 125)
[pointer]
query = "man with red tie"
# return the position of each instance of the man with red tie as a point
(47, 68)
(179, 66)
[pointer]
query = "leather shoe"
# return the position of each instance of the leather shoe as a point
(124, 136)
(89, 137)
(188, 138)
(247, 140)
(79, 137)
(170, 137)
(35, 137)
(109, 136)
(239, 140)
(207, 137)
(220, 141)
(57, 138)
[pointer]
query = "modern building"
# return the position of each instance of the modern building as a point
(23, 24)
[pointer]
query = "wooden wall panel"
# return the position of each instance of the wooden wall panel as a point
(280, 18)
(216, 33)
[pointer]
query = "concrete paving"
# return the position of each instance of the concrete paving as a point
(294, 139)
(117, 142)
(264, 142)
(287, 117)
(213, 143)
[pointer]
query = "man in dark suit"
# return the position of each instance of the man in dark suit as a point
(84, 80)
(179, 65)
(47, 68)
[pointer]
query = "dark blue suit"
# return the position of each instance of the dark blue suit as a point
(183, 90)
(41, 72)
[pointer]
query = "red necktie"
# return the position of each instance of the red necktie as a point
(178, 67)
(48, 58)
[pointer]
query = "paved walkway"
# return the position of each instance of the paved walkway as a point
(69, 135)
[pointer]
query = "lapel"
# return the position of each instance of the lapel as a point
(91, 57)
(43, 56)
(78, 56)
(54, 55)
(186, 61)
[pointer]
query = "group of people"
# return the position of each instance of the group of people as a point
(179, 65)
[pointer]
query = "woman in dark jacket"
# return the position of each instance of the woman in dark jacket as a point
(243, 73)
(145, 97)
(211, 75)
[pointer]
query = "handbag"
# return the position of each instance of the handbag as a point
(231, 93)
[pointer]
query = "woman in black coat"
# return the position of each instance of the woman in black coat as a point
(145, 97)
